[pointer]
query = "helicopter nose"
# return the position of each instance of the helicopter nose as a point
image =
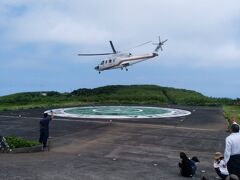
(96, 68)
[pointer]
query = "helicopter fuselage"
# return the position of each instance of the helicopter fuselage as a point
(123, 61)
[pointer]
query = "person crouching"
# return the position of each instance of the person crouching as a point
(187, 166)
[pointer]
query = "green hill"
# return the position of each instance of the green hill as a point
(143, 94)
(117, 94)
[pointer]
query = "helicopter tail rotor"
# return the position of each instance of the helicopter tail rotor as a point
(159, 44)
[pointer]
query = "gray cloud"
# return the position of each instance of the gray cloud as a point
(195, 29)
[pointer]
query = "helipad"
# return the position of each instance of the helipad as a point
(118, 112)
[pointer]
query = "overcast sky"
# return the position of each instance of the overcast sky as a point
(40, 41)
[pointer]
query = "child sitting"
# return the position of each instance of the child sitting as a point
(219, 165)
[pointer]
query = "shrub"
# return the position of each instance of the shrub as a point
(19, 142)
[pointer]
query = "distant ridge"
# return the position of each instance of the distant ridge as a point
(114, 94)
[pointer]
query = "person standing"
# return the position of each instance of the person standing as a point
(44, 129)
(232, 151)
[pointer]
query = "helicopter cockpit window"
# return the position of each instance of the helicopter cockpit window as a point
(102, 62)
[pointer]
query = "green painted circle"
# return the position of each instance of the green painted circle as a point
(115, 112)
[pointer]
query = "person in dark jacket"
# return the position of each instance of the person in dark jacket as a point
(187, 166)
(44, 129)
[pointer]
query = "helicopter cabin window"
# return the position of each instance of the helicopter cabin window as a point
(110, 61)
(106, 62)
(114, 60)
(102, 62)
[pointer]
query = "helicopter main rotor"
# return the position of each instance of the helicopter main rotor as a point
(101, 54)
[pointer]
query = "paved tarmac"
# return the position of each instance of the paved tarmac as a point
(118, 150)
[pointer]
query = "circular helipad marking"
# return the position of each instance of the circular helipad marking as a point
(118, 112)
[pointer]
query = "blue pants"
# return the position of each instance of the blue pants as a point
(43, 136)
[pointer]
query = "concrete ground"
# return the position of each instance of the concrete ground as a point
(117, 150)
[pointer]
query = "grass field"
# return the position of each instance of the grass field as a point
(117, 95)
(232, 111)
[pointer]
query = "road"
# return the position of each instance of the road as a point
(118, 150)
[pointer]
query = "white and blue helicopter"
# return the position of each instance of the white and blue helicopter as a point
(123, 60)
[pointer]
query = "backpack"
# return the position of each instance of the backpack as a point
(4, 147)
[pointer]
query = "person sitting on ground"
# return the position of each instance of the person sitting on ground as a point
(187, 166)
(232, 177)
(219, 165)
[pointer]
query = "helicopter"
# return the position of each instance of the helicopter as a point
(123, 60)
